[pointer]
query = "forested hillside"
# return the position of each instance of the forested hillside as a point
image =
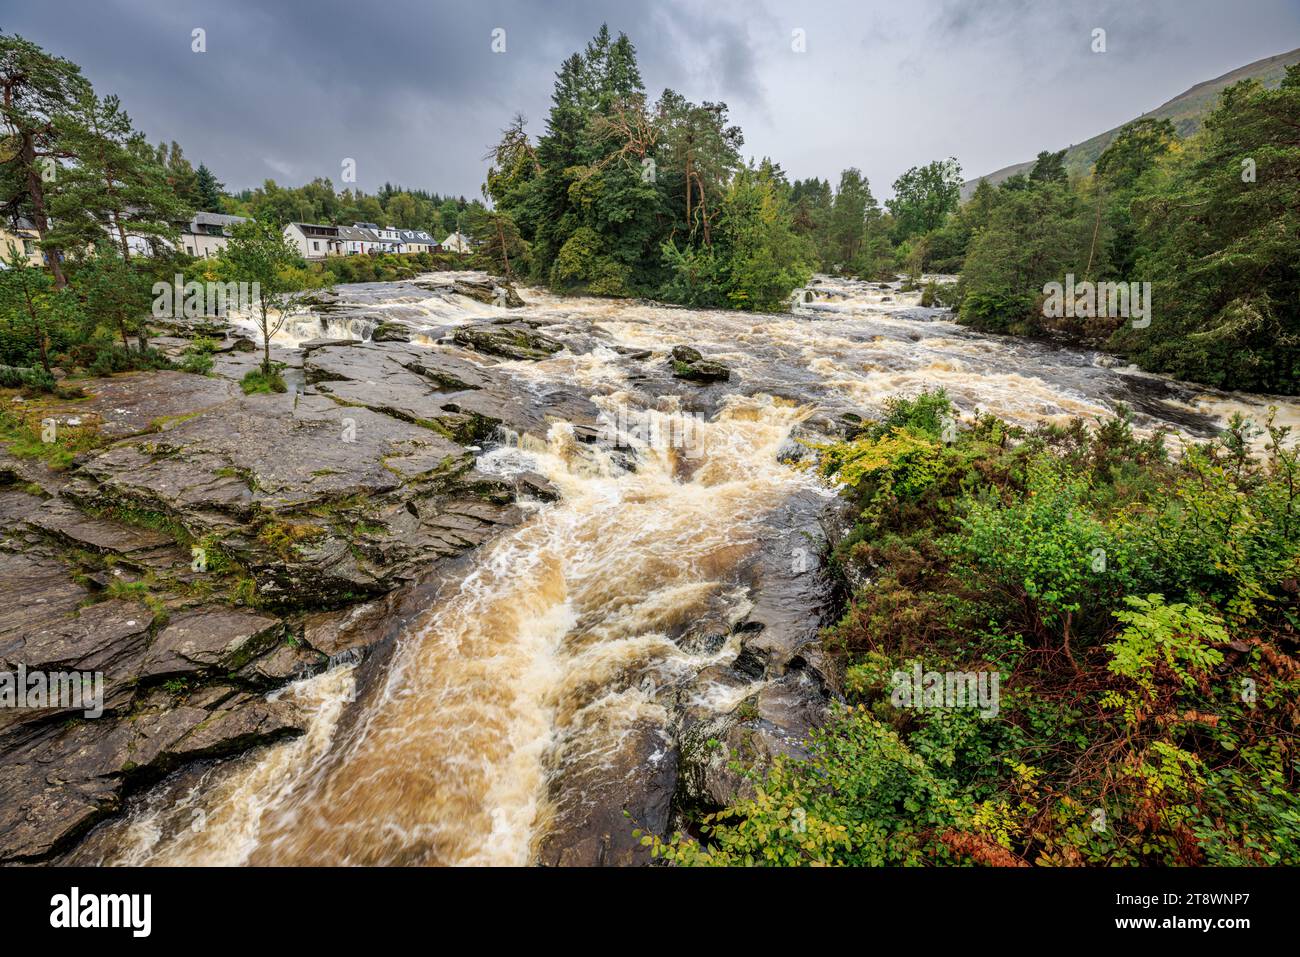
(1186, 111)
(1210, 222)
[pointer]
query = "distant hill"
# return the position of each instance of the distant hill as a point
(1185, 111)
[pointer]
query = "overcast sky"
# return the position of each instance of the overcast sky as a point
(412, 90)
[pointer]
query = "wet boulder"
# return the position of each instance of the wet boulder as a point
(512, 341)
(50, 631)
(775, 720)
(210, 638)
(310, 344)
(390, 332)
(133, 403)
(491, 292)
(689, 364)
(445, 390)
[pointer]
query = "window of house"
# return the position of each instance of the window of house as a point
(315, 245)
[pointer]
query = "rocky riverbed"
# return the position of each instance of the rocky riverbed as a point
(495, 575)
(220, 545)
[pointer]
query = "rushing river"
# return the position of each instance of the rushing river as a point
(545, 681)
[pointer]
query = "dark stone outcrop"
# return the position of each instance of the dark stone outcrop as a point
(62, 770)
(58, 778)
(689, 364)
(512, 341)
(209, 638)
(492, 292)
(390, 332)
(780, 658)
(50, 631)
(592, 829)
(137, 402)
(445, 390)
(320, 502)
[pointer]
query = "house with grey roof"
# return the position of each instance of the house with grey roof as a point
(457, 242)
(369, 237)
(418, 241)
(207, 234)
(360, 239)
(18, 237)
(314, 240)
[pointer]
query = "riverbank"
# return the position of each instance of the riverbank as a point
(1060, 647)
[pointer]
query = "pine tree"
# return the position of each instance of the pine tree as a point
(698, 154)
(181, 176)
(502, 251)
(116, 187)
(33, 312)
(115, 293)
(35, 88)
(848, 221)
(209, 190)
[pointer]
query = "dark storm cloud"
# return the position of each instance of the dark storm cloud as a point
(412, 91)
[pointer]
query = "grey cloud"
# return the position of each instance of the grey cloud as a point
(413, 93)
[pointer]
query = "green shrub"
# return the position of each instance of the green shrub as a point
(1043, 551)
(197, 357)
(901, 463)
(1000, 312)
(939, 295)
(255, 380)
(928, 413)
(861, 799)
(104, 358)
(1225, 534)
(34, 379)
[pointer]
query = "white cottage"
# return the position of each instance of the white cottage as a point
(20, 238)
(207, 234)
(418, 241)
(314, 240)
(457, 242)
(359, 240)
(386, 240)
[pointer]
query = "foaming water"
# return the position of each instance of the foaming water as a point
(549, 652)
(855, 344)
(427, 305)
